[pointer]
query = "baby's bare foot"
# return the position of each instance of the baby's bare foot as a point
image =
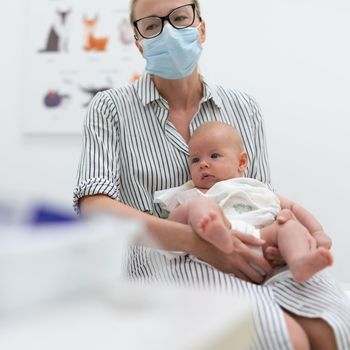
(212, 228)
(304, 268)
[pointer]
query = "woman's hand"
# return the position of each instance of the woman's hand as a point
(318, 239)
(306, 219)
(240, 261)
(322, 239)
(274, 257)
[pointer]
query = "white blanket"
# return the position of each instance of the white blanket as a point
(243, 199)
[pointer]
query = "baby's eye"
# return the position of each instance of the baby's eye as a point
(214, 155)
(195, 160)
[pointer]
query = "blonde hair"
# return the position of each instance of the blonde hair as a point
(209, 127)
(132, 7)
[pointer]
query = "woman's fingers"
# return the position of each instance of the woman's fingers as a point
(260, 262)
(243, 262)
(313, 243)
(252, 274)
(274, 256)
(248, 239)
(242, 276)
(283, 216)
(247, 258)
(323, 240)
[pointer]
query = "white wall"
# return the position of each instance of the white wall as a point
(41, 167)
(292, 55)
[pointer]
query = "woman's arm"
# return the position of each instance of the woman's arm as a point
(308, 220)
(179, 237)
(305, 218)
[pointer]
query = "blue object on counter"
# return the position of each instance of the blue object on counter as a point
(50, 215)
(34, 214)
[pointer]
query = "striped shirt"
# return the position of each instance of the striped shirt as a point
(131, 149)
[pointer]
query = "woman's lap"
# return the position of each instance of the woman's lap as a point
(318, 298)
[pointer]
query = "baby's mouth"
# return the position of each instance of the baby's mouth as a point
(206, 176)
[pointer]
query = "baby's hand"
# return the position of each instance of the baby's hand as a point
(322, 239)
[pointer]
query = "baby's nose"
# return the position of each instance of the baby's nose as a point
(204, 164)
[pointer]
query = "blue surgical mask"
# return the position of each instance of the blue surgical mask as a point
(174, 53)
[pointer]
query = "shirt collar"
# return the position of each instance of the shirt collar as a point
(210, 93)
(147, 91)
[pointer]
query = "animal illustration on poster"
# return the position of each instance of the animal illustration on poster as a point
(79, 48)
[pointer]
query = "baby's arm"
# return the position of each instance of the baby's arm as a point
(308, 220)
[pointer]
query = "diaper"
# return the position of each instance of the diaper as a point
(251, 230)
(246, 228)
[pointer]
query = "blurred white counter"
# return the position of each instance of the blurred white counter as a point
(47, 262)
(132, 317)
(62, 288)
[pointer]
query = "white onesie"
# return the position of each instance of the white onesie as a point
(247, 203)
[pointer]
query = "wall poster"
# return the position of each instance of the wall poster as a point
(72, 50)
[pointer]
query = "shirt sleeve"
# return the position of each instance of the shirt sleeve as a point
(98, 167)
(260, 168)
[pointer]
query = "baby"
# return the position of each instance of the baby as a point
(219, 199)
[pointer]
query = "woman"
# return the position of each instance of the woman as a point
(135, 143)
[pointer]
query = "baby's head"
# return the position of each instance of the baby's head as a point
(216, 153)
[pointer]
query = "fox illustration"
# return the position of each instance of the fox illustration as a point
(93, 43)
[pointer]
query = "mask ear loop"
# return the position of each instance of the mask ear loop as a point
(200, 20)
(136, 35)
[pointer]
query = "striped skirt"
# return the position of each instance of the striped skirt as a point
(320, 297)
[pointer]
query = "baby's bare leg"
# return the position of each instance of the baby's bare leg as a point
(208, 220)
(179, 214)
(295, 244)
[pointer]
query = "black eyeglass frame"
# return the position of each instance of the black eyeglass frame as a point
(166, 18)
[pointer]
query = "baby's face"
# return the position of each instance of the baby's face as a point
(213, 158)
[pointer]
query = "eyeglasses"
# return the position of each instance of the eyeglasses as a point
(151, 26)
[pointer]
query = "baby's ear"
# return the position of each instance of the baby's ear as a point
(243, 161)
